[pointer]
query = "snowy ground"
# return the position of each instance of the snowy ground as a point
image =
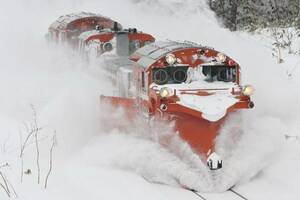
(91, 162)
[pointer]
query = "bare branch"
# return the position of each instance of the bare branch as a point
(21, 155)
(37, 156)
(30, 132)
(5, 182)
(12, 187)
(5, 186)
(51, 159)
(36, 132)
(5, 189)
(24, 144)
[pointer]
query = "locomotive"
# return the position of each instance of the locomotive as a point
(194, 86)
(197, 87)
(113, 47)
(95, 36)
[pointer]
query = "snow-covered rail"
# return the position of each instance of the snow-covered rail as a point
(229, 195)
(199, 195)
(238, 194)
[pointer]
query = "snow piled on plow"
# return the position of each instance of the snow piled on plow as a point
(91, 160)
(213, 107)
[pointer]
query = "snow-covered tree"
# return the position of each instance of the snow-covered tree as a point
(252, 14)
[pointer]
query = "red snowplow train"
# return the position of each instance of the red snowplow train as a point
(194, 86)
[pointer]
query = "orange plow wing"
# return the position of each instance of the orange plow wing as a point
(125, 103)
(199, 133)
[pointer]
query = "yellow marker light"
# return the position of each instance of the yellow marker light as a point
(165, 92)
(248, 90)
(221, 57)
(171, 59)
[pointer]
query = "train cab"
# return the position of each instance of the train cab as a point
(195, 86)
(121, 43)
(67, 28)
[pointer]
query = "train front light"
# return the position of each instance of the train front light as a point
(107, 46)
(248, 90)
(221, 57)
(171, 59)
(165, 92)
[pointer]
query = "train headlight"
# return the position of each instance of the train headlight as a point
(107, 46)
(171, 59)
(221, 57)
(137, 44)
(248, 90)
(166, 92)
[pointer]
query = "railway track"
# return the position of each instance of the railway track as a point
(231, 194)
(238, 194)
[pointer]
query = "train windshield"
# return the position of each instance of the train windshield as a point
(170, 75)
(212, 73)
(133, 46)
(186, 74)
(219, 73)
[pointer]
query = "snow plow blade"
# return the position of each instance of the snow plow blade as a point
(199, 133)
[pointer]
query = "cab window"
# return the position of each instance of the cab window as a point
(219, 73)
(170, 75)
(133, 46)
(148, 42)
(144, 81)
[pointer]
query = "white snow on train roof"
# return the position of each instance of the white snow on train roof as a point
(146, 50)
(213, 107)
(145, 61)
(63, 21)
(165, 45)
(163, 51)
(152, 52)
(85, 35)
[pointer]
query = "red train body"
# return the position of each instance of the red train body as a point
(124, 42)
(95, 34)
(195, 86)
(69, 27)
